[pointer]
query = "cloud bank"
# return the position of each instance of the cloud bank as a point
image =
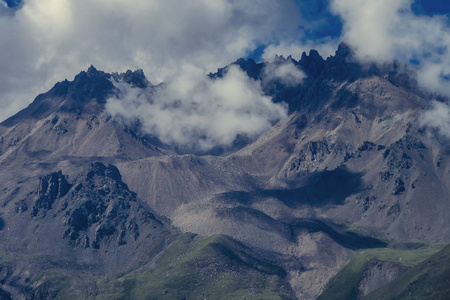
(197, 113)
(437, 118)
(325, 46)
(387, 30)
(283, 71)
(46, 41)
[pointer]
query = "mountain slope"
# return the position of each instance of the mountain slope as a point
(75, 234)
(215, 267)
(68, 122)
(351, 168)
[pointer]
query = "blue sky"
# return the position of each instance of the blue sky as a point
(45, 41)
(327, 24)
(431, 7)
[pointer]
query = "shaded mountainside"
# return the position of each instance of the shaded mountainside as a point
(349, 176)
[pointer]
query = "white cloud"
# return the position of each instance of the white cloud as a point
(430, 76)
(284, 71)
(438, 118)
(385, 30)
(197, 113)
(49, 40)
(326, 47)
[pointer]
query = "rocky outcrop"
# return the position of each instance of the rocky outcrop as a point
(98, 209)
(377, 274)
(399, 187)
(253, 69)
(101, 209)
(21, 206)
(314, 153)
(133, 78)
(52, 186)
(313, 63)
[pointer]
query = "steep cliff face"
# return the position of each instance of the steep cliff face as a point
(351, 168)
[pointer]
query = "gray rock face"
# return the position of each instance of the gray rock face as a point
(399, 187)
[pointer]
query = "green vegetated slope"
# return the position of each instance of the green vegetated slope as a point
(192, 267)
(56, 284)
(344, 285)
(215, 267)
(428, 280)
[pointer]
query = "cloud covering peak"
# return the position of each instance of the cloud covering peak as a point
(46, 41)
(194, 112)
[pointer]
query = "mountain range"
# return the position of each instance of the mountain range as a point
(346, 198)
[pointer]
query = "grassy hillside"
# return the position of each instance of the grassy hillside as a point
(192, 267)
(344, 285)
(428, 280)
(216, 267)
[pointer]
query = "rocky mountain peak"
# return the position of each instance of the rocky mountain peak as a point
(313, 63)
(253, 69)
(344, 67)
(92, 84)
(344, 51)
(92, 70)
(134, 78)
